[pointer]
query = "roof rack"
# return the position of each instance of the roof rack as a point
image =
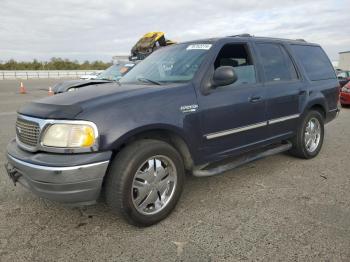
(300, 39)
(241, 35)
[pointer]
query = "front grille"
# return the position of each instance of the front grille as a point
(27, 132)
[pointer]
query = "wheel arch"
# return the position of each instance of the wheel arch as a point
(320, 108)
(172, 135)
(318, 105)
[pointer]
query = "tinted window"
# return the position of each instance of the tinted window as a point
(276, 62)
(314, 61)
(237, 56)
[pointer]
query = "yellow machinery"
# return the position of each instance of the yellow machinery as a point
(147, 44)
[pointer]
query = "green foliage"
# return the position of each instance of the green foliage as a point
(55, 63)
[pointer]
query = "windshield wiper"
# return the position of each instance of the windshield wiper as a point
(105, 79)
(146, 80)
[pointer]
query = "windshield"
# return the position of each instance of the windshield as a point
(176, 63)
(114, 72)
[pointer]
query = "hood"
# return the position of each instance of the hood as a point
(69, 104)
(64, 86)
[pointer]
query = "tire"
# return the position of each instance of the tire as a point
(134, 165)
(300, 148)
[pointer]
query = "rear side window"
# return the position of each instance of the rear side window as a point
(315, 62)
(276, 62)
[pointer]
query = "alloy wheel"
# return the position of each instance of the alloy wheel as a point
(154, 185)
(312, 134)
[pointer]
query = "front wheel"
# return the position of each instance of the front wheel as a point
(309, 138)
(145, 181)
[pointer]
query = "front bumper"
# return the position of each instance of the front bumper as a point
(70, 179)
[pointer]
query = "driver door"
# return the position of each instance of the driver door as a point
(233, 117)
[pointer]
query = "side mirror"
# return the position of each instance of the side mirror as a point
(223, 76)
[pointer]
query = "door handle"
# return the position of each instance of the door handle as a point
(255, 99)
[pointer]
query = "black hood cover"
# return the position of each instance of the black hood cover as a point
(50, 110)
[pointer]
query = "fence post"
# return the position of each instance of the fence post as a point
(27, 75)
(3, 75)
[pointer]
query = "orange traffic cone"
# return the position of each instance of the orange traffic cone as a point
(22, 89)
(50, 91)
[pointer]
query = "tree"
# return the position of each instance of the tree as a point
(55, 63)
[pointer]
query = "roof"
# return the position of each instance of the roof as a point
(249, 37)
(276, 39)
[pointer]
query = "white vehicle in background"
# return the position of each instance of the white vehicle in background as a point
(90, 76)
(113, 73)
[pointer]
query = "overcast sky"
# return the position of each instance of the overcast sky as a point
(97, 30)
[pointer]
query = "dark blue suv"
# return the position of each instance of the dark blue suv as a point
(186, 108)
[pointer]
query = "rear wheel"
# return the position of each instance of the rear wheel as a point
(309, 138)
(145, 181)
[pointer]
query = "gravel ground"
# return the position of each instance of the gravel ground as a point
(276, 209)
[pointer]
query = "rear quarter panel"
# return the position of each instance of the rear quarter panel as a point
(324, 93)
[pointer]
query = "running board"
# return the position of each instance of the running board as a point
(203, 172)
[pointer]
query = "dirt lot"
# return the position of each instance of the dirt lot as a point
(280, 208)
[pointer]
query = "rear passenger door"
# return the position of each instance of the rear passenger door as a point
(283, 89)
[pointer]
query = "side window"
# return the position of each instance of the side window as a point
(276, 63)
(315, 62)
(237, 56)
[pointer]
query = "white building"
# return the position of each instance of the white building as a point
(344, 60)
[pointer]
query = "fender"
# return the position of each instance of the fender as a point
(148, 130)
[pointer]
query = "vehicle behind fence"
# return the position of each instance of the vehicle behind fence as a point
(44, 74)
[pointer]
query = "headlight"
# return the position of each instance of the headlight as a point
(70, 136)
(72, 89)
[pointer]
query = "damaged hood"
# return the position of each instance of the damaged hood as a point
(64, 86)
(70, 104)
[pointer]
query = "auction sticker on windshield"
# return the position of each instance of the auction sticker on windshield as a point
(199, 47)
